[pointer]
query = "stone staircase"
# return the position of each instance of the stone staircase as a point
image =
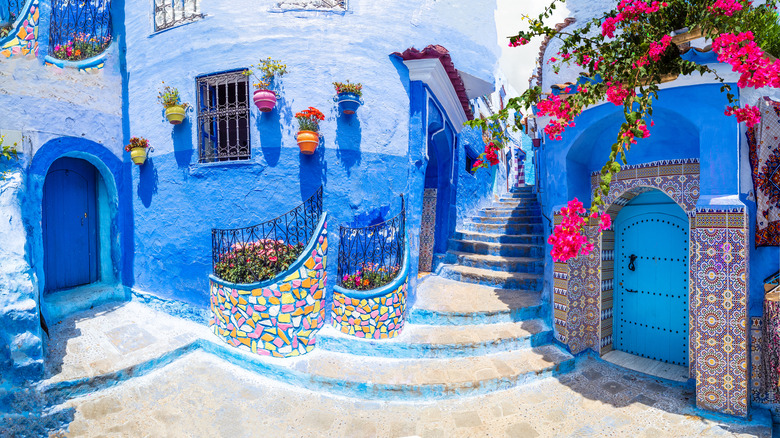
(478, 325)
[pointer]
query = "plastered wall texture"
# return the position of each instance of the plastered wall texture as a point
(364, 161)
(279, 317)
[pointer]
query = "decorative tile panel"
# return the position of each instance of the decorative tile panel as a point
(23, 40)
(279, 318)
(427, 230)
(380, 317)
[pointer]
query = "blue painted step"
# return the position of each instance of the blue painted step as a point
(437, 341)
(532, 239)
(509, 213)
(502, 220)
(504, 228)
(528, 265)
(497, 249)
(443, 301)
(499, 279)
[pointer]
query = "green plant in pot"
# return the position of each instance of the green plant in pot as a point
(267, 72)
(175, 109)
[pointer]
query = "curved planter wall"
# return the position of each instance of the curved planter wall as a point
(374, 314)
(277, 317)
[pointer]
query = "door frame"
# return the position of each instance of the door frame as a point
(618, 268)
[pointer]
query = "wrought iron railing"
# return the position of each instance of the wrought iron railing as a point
(80, 29)
(259, 252)
(372, 256)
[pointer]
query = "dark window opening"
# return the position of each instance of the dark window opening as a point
(223, 117)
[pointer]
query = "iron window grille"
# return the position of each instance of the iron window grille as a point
(80, 29)
(379, 247)
(171, 13)
(296, 227)
(313, 5)
(223, 117)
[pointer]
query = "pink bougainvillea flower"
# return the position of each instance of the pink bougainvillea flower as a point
(725, 7)
(749, 114)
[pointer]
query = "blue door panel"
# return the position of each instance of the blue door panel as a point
(70, 224)
(651, 300)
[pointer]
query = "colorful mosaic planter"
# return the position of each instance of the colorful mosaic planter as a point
(373, 314)
(23, 39)
(277, 317)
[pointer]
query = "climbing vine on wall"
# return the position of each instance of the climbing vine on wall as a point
(624, 55)
(7, 153)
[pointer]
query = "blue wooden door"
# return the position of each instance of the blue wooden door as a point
(70, 246)
(651, 272)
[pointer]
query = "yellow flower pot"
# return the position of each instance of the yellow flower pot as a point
(138, 155)
(308, 141)
(175, 114)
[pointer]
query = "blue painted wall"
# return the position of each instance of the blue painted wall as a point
(364, 161)
(681, 130)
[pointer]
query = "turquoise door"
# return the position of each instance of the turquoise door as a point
(70, 247)
(651, 273)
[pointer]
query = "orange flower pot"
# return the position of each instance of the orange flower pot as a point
(308, 141)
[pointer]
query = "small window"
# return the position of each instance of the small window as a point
(171, 13)
(469, 164)
(223, 117)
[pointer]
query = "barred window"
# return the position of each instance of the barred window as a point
(223, 117)
(171, 13)
(316, 5)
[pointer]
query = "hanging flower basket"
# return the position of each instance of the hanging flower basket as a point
(138, 148)
(309, 125)
(266, 72)
(308, 141)
(175, 110)
(175, 114)
(265, 100)
(348, 96)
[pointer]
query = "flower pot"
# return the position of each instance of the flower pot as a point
(308, 141)
(138, 155)
(690, 35)
(348, 102)
(265, 100)
(537, 142)
(175, 114)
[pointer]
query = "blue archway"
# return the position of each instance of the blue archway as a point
(113, 211)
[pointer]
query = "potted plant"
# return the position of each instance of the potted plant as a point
(175, 110)
(138, 147)
(265, 72)
(308, 132)
(348, 96)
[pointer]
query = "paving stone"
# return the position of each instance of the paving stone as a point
(524, 430)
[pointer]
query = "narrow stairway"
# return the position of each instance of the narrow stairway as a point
(477, 326)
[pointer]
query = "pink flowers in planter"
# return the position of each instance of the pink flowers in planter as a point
(567, 238)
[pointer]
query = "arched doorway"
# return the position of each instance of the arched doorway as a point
(70, 221)
(652, 279)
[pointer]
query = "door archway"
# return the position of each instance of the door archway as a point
(651, 279)
(70, 224)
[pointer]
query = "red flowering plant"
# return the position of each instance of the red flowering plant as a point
(370, 276)
(137, 142)
(624, 54)
(250, 262)
(309, 119)
(494, 138)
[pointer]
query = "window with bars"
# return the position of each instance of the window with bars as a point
(171, 13)
(223, 117)
(316, 5)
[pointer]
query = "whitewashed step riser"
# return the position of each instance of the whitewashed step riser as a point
(528, 284)
(507, 250)
(476, 261)
(507, 220)
(504, 229)
(529, 239)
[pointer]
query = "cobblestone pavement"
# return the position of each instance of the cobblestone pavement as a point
(200, 395)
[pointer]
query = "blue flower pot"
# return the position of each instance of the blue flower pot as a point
(348, 102)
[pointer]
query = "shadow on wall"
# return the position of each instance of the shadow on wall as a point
(147, 182)
(348, 140)
(182, 143)
(312, 170)
(270, 127)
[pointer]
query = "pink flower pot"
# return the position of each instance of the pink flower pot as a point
(265, 100)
